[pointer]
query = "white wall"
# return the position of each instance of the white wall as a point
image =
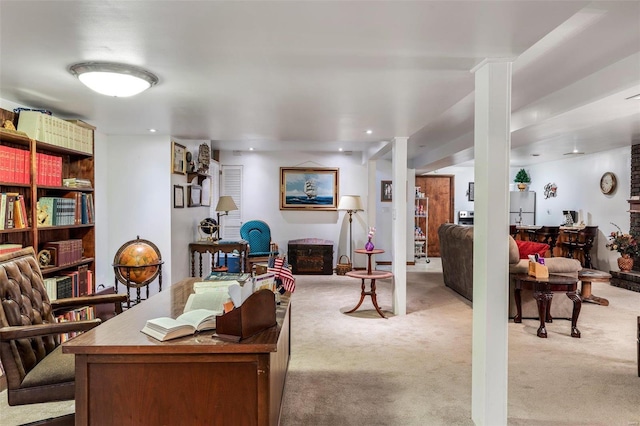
(104, 258)
(261, 192)
(578, 181)
(139, 196)
(184, 223)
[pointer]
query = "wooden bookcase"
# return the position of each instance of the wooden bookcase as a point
(74, 164)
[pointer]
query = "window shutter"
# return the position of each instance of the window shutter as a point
(231, 184)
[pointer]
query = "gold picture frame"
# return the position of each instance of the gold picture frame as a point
(303, 188)
(178, 158)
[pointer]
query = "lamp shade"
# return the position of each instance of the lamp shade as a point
(113, 79)
(226, 204)
(350, 203)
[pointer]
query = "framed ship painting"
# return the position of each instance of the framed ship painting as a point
(303, 188)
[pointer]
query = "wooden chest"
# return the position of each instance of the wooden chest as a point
(311, 256)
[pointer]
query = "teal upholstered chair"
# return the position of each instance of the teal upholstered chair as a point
(258, 235)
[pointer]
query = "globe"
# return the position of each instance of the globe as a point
(209, 225)
(137, 262)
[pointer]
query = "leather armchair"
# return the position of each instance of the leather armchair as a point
(35, 367)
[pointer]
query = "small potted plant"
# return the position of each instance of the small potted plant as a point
(522, 179)
(627, 245)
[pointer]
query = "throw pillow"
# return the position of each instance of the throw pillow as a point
(531, 247)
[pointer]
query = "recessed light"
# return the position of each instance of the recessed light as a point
(152, 130)
(535, 155)
(250, 149)
(574, 152)
(369, 132)
(340, 149)
(636, 97)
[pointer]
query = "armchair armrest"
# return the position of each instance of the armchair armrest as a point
(39, 330)
(74, 302)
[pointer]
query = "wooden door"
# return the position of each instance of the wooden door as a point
(440, 191)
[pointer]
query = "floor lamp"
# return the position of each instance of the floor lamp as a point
(352, 204)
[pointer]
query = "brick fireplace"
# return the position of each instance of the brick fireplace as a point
(631, 280)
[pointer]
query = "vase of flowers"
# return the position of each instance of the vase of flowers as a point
(627, 245)
(369, 245)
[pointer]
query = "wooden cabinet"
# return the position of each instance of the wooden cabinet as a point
(421, 215)
(311, 256)
(74, 164)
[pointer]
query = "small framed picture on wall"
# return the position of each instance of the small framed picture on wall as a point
(179, 158)
(386, 191)
(178, 196)
(194, 195)
(471, 191)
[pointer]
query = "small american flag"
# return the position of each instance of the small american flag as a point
(280, 268)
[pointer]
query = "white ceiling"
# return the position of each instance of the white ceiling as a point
(314, 75)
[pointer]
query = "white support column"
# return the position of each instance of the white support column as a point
(490, 243)
(399, 258)
(371, 198)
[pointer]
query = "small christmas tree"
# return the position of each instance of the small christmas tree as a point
(522, 177)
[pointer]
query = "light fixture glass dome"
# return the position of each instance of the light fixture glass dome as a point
(113, 79)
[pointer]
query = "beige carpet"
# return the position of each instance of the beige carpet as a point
(360, 369)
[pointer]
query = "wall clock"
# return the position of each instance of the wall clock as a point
(608, 183)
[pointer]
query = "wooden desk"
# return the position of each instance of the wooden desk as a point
(124, 377)
(543, 289)
(214, 248)
(371, 275)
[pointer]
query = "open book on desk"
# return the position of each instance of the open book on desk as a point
(165, 328)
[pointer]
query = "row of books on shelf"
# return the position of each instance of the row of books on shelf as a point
(75, 208)
(13, 211)
(70, 284)
(79, 314)
(65, 252)
(15, 167)
(56, 131)
(9, 248)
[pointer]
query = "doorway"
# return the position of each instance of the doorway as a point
(440, 191)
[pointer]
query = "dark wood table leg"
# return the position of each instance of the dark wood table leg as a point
(374, 298)
(518, 298)
(542, 299)
(362, 294)
(577, 305)
(193, 263)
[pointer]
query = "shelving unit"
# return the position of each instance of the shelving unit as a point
(421, 215)
(74, 164)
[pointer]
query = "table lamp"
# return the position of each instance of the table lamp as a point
(352, 204)
(225, 204)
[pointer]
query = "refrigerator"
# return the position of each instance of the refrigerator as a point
(522, 210)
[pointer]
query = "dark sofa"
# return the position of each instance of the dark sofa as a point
(456, 251)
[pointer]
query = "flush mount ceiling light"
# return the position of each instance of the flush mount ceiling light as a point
(113, 79)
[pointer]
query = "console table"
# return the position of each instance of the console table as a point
(214, 247)
(124, 376)
(543, 289)
(371, 275)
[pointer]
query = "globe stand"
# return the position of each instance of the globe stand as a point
(136, 264)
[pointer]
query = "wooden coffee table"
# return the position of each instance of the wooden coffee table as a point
(543, 289)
